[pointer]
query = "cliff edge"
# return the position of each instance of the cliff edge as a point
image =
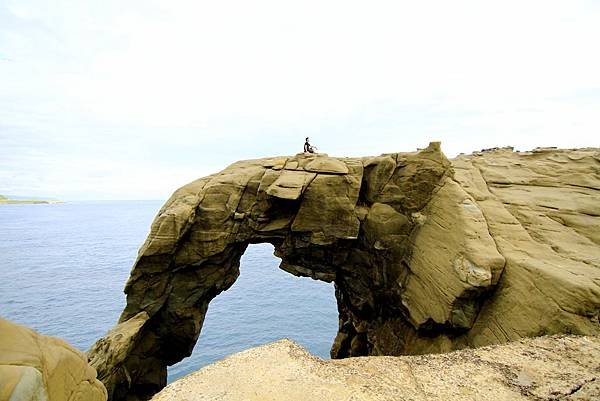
(426, 254)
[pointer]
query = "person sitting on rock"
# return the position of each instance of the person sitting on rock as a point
(308, 148)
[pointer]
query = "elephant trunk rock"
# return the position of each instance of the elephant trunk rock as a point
(426, 255)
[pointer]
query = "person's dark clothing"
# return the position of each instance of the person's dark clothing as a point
(308, 148)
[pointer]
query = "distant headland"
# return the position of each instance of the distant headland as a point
(4, 200)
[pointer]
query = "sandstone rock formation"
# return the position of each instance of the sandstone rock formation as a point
(40, 368)
(555, 368)
(427, 255)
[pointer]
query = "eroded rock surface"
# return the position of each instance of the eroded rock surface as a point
(555, 368)
(40, 368)
(427, 254)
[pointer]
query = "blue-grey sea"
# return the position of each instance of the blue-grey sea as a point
(63, 268)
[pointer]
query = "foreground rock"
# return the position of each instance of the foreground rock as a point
(551, 368)
(427, 254)
(40, 368)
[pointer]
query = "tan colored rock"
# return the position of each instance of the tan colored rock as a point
(327, 210)
(384, 226)
(114, 348)
(539, 369)
(427, 255)
(327, 165)
(290, 184)
(535, 204)
(453, 257)
(380, 173)
(40, 368)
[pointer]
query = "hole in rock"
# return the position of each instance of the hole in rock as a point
(265, 304)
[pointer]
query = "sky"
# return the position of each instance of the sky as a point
(131, 99)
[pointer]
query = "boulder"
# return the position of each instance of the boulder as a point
(40, 368)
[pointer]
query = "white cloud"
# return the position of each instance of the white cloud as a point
(358, 77)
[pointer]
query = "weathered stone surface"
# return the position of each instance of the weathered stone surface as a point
(290, 184)
(454, 234)
(327, 165)
(551, 280)
(40, 368)
(327, 209)
(550, 368)
(427, 254)
(119, 341)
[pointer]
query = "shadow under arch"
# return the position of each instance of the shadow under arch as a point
(265, 304)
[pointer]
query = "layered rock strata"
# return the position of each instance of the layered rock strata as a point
(34, 367)
(555, 368)
(427, 255)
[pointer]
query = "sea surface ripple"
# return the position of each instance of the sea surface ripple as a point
(63, 268)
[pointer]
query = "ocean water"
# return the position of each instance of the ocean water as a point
(63, 268)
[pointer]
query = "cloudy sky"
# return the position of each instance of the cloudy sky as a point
(112, 99)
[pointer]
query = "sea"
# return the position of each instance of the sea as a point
(63, 268)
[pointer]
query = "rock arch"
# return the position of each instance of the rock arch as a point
(405, 241)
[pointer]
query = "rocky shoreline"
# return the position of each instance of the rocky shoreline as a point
(561, 367)
(428, 256)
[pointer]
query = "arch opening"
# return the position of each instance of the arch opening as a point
(264, 304)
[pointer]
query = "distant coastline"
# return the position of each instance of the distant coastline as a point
(8, 201)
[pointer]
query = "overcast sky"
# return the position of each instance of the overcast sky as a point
(130, 99)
